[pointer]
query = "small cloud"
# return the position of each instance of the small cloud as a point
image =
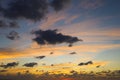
(9, 65)
(98, 66)
(32, 64)
(13, 24)
(3, 24)
(73, 53)
(40, 57)
(3, 70)
(85, 63)
(13, 35)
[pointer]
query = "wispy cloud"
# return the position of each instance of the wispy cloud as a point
(91, 4)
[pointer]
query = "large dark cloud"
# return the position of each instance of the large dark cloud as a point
(9, 65)
(32, 64)
(85, 63)
(13, 35)
(59, 4)
(28, 9)
(53, 37)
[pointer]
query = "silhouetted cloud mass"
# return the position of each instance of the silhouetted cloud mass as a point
(40, 57)
(9, 65)
(13, 35)
(53, 37)
(85, 63)
(32, 64)
(28, 9)
(59, 4)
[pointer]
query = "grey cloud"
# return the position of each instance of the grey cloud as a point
(13, 35)
(32, 64)
(59, 4)
(85, 63)
(53, 37)
(40, 57)
(9, 65)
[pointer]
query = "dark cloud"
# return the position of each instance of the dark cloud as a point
(52, 64)
(73, 53)
(81, 64)
(9, 65)
(89, 62)
(40, 57)
(53, 37)
(51, 53)
(13, 24)
(13, 35)
(98, 66)
(70, 45)
(28, 9)
(59, 4)
(86, 63)
(32, 64)
(3, 24)
(3, 71)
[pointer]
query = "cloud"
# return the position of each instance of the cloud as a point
(13, 24)
(73, 53)
(51, 53)
(13, 35)
(9, 65)
(53, 37)
(59, 4)
(86, 63)
(40, 57)
(3, 24)
(91, 4)
(3, 70)
(28, 9)
(32, 64)
(98, 66)
(34, 10)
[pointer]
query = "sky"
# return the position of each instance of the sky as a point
(65, 32)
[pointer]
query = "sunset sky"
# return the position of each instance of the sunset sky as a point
(96, 22)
